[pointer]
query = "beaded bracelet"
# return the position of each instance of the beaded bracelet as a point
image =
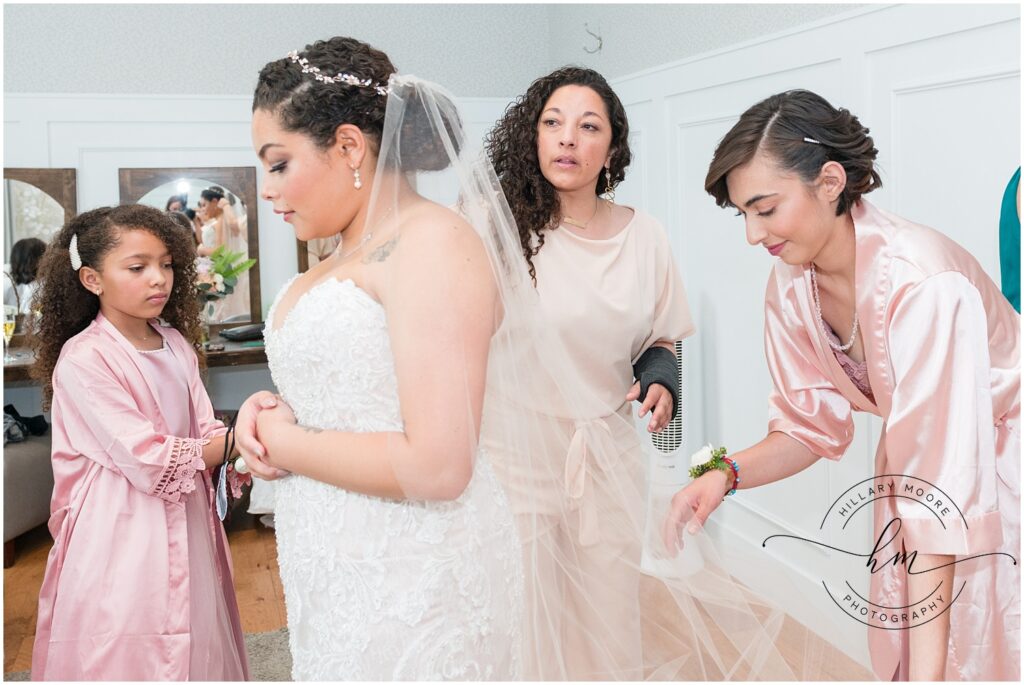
(735, 475)
(721, 462)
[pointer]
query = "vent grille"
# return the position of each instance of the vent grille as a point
(669, 439)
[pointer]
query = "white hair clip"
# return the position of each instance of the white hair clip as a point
(812, 140)
(76, 259)
(341, 77)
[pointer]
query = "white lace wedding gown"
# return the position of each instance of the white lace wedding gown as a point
(380, 589)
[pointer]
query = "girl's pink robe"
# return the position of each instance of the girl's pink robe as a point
(942, 350)
(138, 582)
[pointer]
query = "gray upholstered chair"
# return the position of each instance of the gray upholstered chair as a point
(28, 486)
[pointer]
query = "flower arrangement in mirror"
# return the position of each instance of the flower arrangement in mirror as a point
(216, 278)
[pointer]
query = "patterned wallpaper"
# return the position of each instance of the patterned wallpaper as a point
(492, 50)
(638, 37)
(474, 50)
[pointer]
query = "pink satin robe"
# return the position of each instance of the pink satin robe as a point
(942, 350)
(115, 603)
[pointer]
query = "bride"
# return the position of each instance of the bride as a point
(397, 549)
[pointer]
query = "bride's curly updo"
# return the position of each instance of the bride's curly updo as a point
(316, 109)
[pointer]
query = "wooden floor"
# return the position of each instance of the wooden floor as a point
(257, 585)
(261, 605)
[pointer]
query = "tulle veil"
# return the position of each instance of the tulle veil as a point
(603, 599)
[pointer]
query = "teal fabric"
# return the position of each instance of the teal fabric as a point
(1009, 243)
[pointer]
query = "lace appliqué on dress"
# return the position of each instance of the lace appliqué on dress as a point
(379, 589)
(855, 371)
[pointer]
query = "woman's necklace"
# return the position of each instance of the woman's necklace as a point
(140, 342)
(582, 224)
(365, 239)
(821, 322)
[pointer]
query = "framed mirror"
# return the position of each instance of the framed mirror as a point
(220, 203)
(37, 204)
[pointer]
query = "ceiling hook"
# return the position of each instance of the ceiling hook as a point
(600, 40)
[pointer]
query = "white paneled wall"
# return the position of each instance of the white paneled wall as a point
(939, 87)
(97, 135)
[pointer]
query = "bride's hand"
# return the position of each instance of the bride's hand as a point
(693, 505)
(252, 451)
(267, 423)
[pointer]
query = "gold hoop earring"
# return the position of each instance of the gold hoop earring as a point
(609, 189)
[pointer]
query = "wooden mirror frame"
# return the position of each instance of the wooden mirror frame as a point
(62, 186)
(135, 183)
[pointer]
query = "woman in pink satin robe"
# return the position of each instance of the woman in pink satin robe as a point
(866, 311)
(138, 583)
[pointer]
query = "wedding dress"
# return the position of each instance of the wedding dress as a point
(382, 589)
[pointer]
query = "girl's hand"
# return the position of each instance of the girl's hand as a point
(659, 399)
(693, 505)
(252, 451)
(222, 203)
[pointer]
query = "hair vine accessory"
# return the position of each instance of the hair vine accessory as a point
(340, 77)
(811, 140)
(76, 259)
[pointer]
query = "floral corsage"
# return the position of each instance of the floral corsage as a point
(708, 458)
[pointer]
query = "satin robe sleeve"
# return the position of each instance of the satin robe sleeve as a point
(672, 320)
(804, 403)
(110, 428)
(941, 428)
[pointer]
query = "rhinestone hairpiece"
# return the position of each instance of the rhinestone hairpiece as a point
(76, 259)
(340, 77)
(812, 140)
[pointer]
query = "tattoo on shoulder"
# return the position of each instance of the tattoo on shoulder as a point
(381, 252)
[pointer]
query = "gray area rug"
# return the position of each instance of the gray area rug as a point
(269, 658)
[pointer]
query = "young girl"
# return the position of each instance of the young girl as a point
(138, 582)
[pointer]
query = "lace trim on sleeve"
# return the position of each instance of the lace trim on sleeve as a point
(178, 477)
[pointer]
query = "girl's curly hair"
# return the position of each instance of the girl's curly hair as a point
(512, 148)
(67, 308)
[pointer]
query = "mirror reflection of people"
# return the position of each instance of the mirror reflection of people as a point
(176, 203)
(182, 219)
(223, 225)
(218, 219)
(20, 282)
